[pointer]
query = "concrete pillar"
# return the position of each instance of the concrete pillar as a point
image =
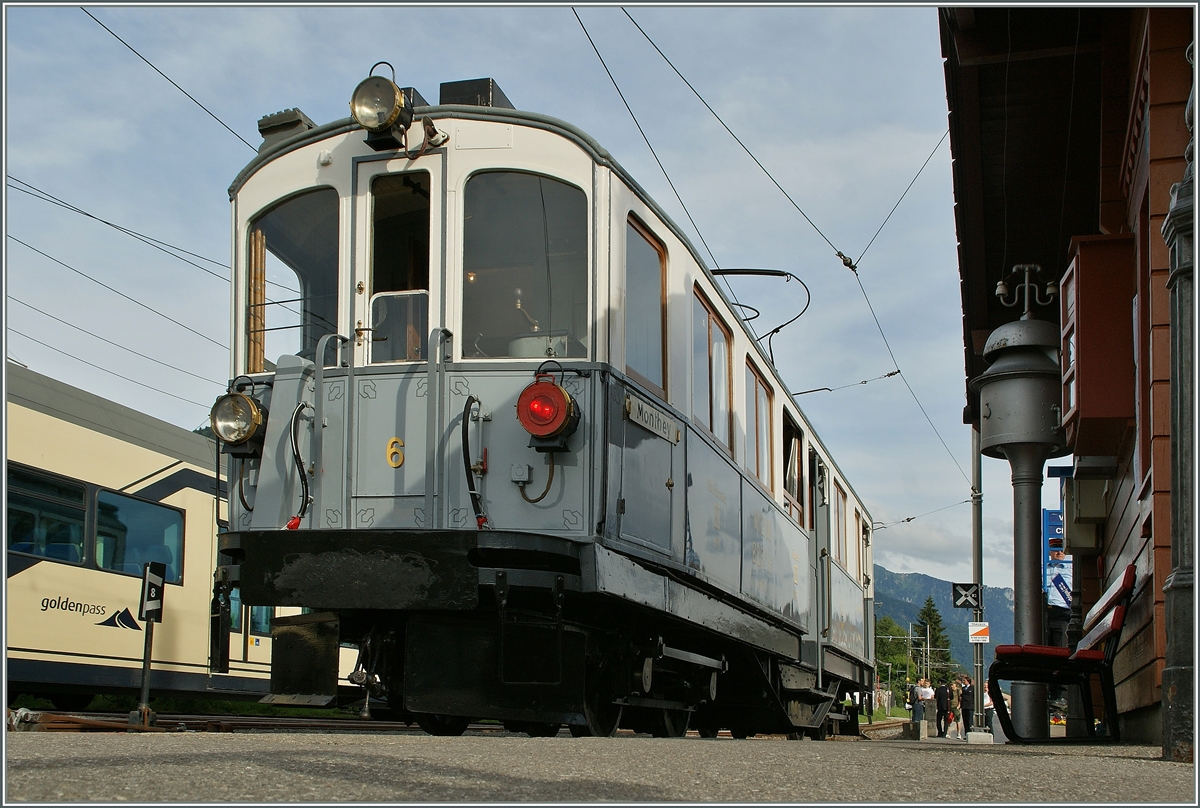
(1178, 698)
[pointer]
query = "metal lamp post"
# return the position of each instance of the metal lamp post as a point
(1020, 406)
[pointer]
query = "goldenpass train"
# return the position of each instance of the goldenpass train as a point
(94, 490)
(492, 422)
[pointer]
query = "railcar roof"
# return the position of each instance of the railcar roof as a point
(42, 394)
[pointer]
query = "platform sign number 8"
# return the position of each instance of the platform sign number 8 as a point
(153, 574)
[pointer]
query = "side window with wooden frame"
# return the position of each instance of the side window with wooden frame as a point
(758, 426)
(711, 394)
(645, 306)
(794, 490)
(839, 523)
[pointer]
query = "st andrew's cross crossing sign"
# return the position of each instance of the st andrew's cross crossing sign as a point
(153, 574)
(966, 596)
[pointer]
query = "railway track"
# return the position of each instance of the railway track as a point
(61, 721)
(82, 721)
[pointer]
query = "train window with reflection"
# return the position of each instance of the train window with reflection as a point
(260, 619)
(260, 616)
(645, 305)
(45, 516)
(793, 469)
(292, 278)
(758, 426)
(131, 532)
(525, 267)
(710, 371)
(400, 267)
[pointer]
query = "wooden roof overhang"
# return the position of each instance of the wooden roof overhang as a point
(1024, 92)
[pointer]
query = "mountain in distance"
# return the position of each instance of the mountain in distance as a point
(900, 595)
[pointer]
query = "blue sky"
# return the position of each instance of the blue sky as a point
(842, 105)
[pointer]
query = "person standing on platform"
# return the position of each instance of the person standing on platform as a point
(942, 697)
(966, 705)
(989, 709)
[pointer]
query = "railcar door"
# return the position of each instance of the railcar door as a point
(397, 302)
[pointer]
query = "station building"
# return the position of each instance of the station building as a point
(1068, 129)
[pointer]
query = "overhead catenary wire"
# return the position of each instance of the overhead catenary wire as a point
(120, 294)
(106, 370)
(168, 78)
(114, 344)
(153, 242)
(850, 264)
(739, 141)
(654, 154)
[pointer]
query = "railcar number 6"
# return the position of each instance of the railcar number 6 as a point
(395, 453)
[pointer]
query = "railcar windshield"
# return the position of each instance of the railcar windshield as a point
(292, 278)
(525, 278)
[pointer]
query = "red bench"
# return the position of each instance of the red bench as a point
(1093, 657)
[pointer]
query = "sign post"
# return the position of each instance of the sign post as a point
(150, 611)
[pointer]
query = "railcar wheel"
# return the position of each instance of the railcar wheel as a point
(437, 724)
(707, 732)
(740, 733)
(602, 715)
(669, 723)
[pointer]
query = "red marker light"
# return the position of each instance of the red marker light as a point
(545, 409)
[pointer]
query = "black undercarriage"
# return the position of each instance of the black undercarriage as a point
(457, 626)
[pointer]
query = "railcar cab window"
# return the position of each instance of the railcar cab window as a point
(131, 532)
(525, 267)
(710, 371)
(645, 306)
(793, 469)
(292, 277)
(46, 516)
(400, 268)
(758, 427)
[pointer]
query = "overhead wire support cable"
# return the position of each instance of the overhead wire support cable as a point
(122, 294)
(901, 199)
(883, 526)
(114, 344)
(106, 370)
(168, 78)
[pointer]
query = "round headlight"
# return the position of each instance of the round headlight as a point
(236, 418)
(377, 103)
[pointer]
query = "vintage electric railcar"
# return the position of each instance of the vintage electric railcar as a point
(94, 489)
(492, 421)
